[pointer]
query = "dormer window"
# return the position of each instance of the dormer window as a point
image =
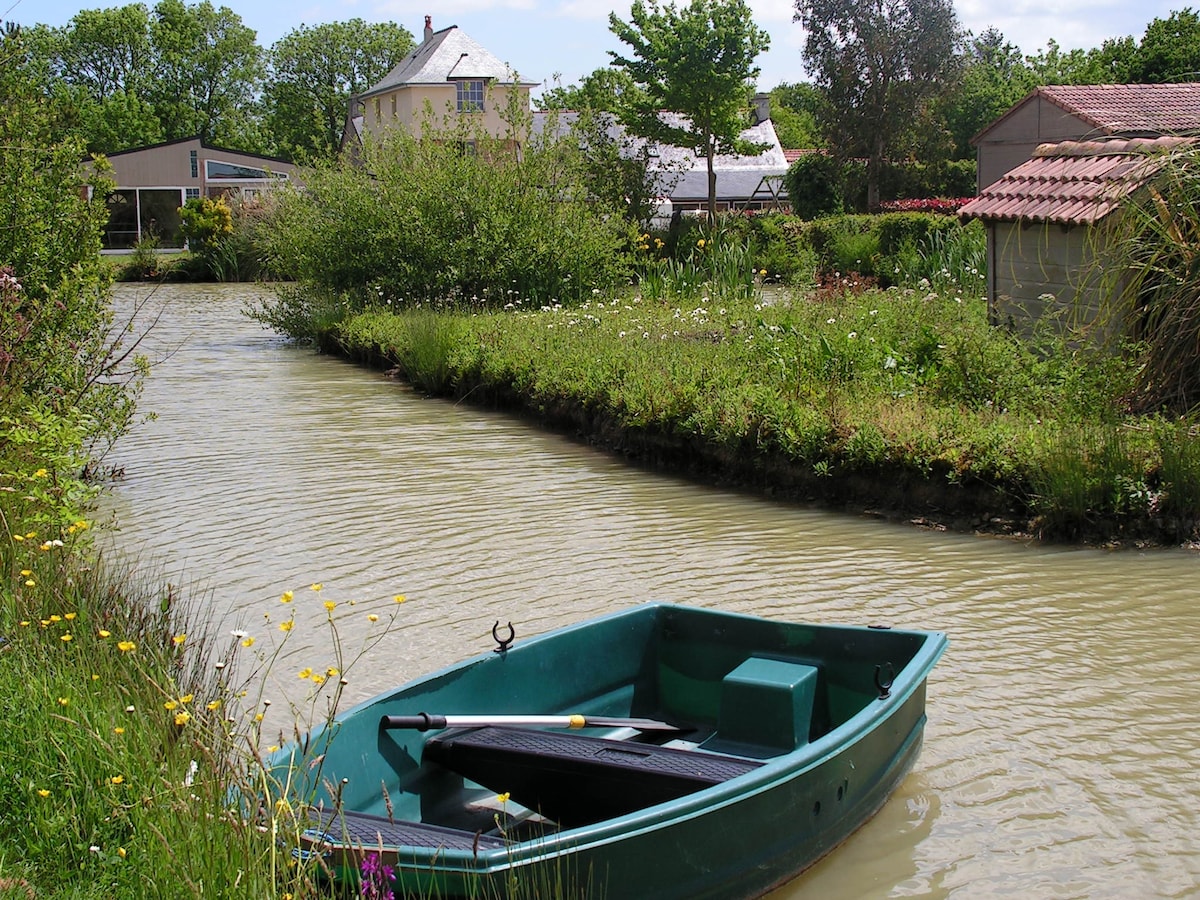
(470, 96)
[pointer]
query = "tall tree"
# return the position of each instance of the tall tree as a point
(794, 114)
(1169, 50)
(699, 62)
(881, 65)
(210, 71)
(313, 73)
(106, 65)
(995, 76)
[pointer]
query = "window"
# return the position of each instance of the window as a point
(393, 106)
(217, 170)
(191, 193)
(195, 165)
(470, 96)
(378, 115)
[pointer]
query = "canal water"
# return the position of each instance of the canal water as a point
(1062, 753)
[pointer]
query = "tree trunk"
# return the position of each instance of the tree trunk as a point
(712, 182)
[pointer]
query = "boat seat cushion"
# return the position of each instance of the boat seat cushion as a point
(574, 779)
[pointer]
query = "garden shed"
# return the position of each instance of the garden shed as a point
(1056, 113)
(1048, 221)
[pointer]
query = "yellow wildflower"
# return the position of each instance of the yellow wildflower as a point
(332, 672)
(318, 678)
(42, 792)
(399, 598)
(248, 641)
(126, 646)
(170, 705)
(287, 597)
(213, 704)
(503, 798)
(104, 633)
(118, 779)
(179, 639)
(317, 587)
(64, 701)
(121, 852)
(330, 605)
(181, 717)
(65, 638)
(306, 672)
(70, 617)
(287, 626)
(371, 617)
(118, 730)
(187, 698)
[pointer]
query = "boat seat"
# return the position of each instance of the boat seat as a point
(365, 831)
(574, 779)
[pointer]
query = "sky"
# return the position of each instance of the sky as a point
(542, 39)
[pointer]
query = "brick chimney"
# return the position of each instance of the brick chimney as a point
(428, 27)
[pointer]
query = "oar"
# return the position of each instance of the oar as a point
(424, 722)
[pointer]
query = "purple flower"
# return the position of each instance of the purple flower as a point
(376, 878)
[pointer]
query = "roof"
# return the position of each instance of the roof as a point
(1130, 110)
(738, 177)
(445, 55)
(1072, 183)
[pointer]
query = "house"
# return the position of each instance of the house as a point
(753, 182)
(1057, 113)
(153, 182)
(1048, 224)
(448, 76)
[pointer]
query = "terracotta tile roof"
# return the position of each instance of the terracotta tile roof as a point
(1072, 183)
(1131, 109)
(792, 155)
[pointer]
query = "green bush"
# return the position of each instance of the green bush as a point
(423, 221)
(816, 185)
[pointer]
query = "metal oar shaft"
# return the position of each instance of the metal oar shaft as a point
(425, 721)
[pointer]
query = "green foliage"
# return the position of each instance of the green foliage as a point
(604, 90)
(697, 61)
(1147, 270)
(314, 72)
(881, 69)
(815, 185)
(421, 221)
(794, 114)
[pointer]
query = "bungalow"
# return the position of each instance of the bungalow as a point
(153, 182)
(1056, 113)
(1048, 224)
(752, 182)
(448, 75)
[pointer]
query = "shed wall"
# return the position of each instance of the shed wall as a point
(1039, 270)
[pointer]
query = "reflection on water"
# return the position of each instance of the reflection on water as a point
(1061, 750)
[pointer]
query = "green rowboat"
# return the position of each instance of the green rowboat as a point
(664, 751)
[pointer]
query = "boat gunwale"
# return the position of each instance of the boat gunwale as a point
(773, 773)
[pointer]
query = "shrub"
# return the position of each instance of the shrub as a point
(815, 184)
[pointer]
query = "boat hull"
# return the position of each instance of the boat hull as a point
(827, 719)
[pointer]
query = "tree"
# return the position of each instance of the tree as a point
(995, 76)
(881, 65)
(794, 114)
(604, 90)
(699, 62)
(314, 71)
(209, 73)
(1169, 50)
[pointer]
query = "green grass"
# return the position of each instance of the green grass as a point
(902, 384)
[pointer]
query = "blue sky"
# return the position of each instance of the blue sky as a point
(541, 38)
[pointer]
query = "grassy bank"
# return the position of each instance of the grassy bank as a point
(903, 401)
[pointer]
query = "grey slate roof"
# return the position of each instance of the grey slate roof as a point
(738, 177)
(447, 54)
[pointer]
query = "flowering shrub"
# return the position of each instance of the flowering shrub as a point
(932, 205)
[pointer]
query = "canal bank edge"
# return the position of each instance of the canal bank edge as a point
(933, 499)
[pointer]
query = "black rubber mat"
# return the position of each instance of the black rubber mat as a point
(367, 831)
